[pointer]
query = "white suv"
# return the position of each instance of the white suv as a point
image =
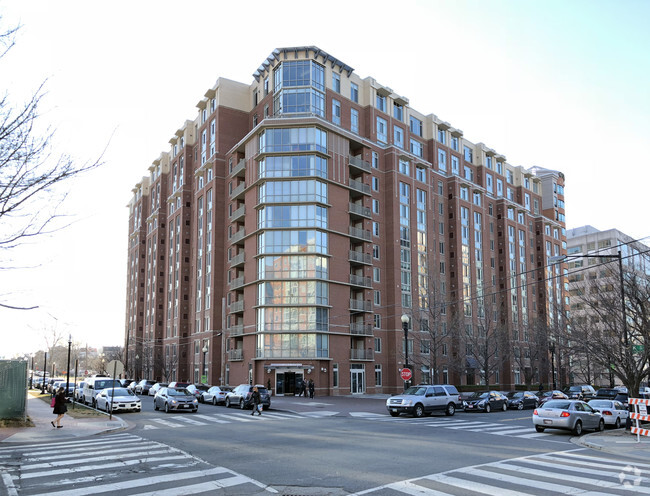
(425, 399)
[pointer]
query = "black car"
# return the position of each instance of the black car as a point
(486, 401)
(522, 399)
(606, 393)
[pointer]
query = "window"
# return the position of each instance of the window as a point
(375, 183)
(336, 82)
(266, 86)
(454, 143)
(477, 198)
(499, 188)
(335, 375)
(455, 164)
(488, 183)
(375, 252)
(375, 160)
(381, 103)
(354, 92)
(421, 174)
(416, 148)
(375, 228)
(375, 206)
(442, 160)
(441, 136)
(354, 121)
(464, 193)
(336, 112)
(467, 151)
(398, 137)
(404, 167)
(382, 130)
(468, 173)
(416, 126)
(377, 321)
(378, 381)
(377, 298)
(398, 111)
(376, 274)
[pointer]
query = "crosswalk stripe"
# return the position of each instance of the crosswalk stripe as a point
(521, 481)
(66, 444)
(512, 431)
(205, 486)
(166, 423)
(470, 424)
(238, 417)
(61, 463)
(210, 418)
(532, 435)
(103, 451)
(49, 450)
(474, 486)
(408, 487)
(191, 421)
(582, 468)
(567, 454)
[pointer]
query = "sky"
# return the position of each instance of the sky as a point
(561, 84)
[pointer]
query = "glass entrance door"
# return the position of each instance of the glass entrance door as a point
(357, 379)
(286, 383)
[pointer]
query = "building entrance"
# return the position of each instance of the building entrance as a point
(287, 383)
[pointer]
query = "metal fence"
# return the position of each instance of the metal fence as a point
(13, 388)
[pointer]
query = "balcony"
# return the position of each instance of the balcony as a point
(360, 305)
(235, 355)
(358, 186)
(237, 306)
(357, 232)
(361, 329)
(236, 330)
(362, 354)
(359, 257)
(359, 211)
(238, 214)
(238, 237)
(239, 170)
(238, 192)
(360, 164)
(237, 283)
(238, 260)
(356, 280)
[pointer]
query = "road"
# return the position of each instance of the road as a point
(322, 446)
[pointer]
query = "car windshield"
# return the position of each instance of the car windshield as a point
(575, 388)
(178, 392)
(119, 392)
(107, 383)
(512, 395)
(558, 404)
(415, 391)
(478, 395)
(601, 404)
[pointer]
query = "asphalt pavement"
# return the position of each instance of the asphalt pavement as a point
(617, 442)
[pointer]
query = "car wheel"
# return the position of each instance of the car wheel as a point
(539, 428)
(394, 414)
(418, 411)
(601, 425)
(577, 429)
(487, 408)
(214, 401)
(94, 404)
(227, 402)
(617, 424)
(504, 407)
(451, 409)
(166, 408)
(520, 406)
(241, 404)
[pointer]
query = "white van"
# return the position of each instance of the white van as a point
(94, 385)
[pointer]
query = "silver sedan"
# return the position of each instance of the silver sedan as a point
(613, 412)
(571, 415)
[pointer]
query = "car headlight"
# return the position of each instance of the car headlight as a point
(482, 402)
(407, 402)
(195, 401)
(173, 402)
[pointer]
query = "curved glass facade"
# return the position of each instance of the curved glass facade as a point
(292, 319)
(293, 191)
(299, 87)
(279, 216)
(308, 241)
(292, 346)
(293, 267)
(293, 293)
(293, 139)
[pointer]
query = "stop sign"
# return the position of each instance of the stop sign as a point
(406, 374)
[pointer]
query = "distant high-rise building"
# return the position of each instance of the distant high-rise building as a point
(296, 219)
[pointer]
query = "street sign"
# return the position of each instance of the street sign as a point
(406, 374)
(116, 367)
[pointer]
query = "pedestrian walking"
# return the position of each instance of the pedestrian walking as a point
(300, 387)
(311, 388)
(59, 408)
(255, 396)
(304, 388)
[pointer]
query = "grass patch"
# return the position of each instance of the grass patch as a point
(75, 411)
(16, 422)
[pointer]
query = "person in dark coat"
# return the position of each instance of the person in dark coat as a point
(311, 388)
(59, 408)
(255, 396)
(304, 388)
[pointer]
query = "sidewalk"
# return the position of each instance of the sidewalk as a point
(617, 442)
(41, 415)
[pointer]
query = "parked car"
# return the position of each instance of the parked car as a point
(623, 398)
(126, 382)
(613, 412)
(143, 386)
(176, 384)
(94, 385)
(571, 415)
(241, 396)
(555, 394)
(644, 392)
(216, 394)
(522, 399)
(49, 383)
(156, 387)
(606, 393)
(425, 399)
(118, 399)
(486, 401)
(197, 390)
(79, 391)
(179, 399)
(583, 392)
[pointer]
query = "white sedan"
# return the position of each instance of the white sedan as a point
(612, 411)
(119, 399)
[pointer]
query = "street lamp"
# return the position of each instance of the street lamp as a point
(31, 380)
(405, 327)
(137, 357)
(67, 376)
(551, 347)
(204, 373)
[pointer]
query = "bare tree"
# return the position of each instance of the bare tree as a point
(530, 352)
(30, 173)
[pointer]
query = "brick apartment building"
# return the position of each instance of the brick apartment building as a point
(294, 221)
